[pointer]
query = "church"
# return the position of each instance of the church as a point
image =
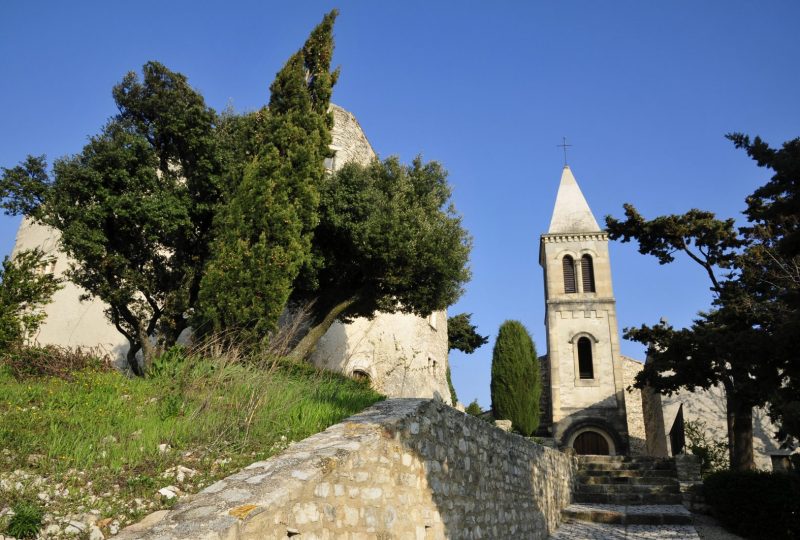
(588, 402)
(585, 394)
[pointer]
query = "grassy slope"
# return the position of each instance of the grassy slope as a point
(104, 428)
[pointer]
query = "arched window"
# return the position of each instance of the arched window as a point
(570, 286)
(585, 367)
(587, 273)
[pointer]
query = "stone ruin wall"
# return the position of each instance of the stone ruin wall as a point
(651, 416)
(402, 469)
(633, 407)
(404, 355)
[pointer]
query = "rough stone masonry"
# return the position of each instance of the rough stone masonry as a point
(404, 468)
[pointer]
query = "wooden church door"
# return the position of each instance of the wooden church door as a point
(591, 442)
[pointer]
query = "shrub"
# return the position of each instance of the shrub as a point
(516, 384)
(453, 395)
(26, 521)
(51, 361)
(713, 454)
(25, 287)
(756, 504)
(474, 409)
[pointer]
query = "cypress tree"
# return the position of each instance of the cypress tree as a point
(516, 383)
(263, 234)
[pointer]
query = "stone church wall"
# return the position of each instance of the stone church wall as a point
(402, 469)
(651, 417)
(637, 436)
(709, 406)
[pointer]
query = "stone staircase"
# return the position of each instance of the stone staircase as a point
(627, 491)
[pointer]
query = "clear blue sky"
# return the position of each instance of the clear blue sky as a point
(644, 90)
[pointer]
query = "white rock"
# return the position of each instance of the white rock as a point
(75, 527)
(163, 448)
(52, 530)
(169, 492)
(95, 533)
(184, 472)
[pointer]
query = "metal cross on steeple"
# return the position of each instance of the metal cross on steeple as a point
(564, 145)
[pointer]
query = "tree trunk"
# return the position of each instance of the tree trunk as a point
(148, 351)
(133, 363)
(742, 449)
(306, 346)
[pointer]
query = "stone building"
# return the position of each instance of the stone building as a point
(584, 365)
(403, 355)
(588, 402)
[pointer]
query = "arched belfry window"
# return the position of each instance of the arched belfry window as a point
(587, 273)
(585, 367)
(570, 285)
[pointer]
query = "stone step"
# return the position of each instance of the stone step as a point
(627, 466)
(622, 459)
(628, 489)
(628, 498)
(629, 479)
(657, 473)
(628, 515)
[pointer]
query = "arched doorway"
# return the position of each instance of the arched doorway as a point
(591, 443)
(361, 375)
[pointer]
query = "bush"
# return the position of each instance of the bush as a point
(25, 287)
(51, 361)
(474, 408)
(516, 384)
(26, 521)
(756, 504)
(713, 454)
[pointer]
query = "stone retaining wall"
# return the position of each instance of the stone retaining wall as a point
(404, 468)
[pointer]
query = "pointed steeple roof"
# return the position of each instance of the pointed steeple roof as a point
(571, 213)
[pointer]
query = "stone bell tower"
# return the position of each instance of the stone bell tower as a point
(583, 358)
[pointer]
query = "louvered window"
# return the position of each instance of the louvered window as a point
(587, 273)
(570, 286)
(585, 367)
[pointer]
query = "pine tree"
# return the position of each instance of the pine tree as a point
(516, 384)
(263, 234)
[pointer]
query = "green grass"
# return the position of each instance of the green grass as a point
(216, 416)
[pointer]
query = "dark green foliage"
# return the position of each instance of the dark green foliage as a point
(771, 268)
(25, 287)
(24, 187)
(462, 335)
(263, 233)
(474, 409)
(516, 383)
(135, 207)
(756, 504)
(26, 521)
(388, 240)
(747, 341)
